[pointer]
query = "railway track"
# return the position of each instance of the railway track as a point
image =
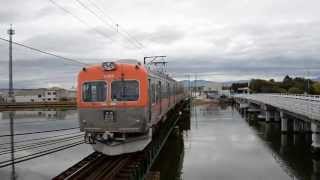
(127, 166)
(96, 166)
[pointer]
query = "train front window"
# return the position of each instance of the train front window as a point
(94, 91)
(126, 90)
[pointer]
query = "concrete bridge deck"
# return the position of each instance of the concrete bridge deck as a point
(305, 105)
(297, 113)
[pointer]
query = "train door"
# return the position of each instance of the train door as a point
(174, 93)
(150, 92)
(169, 94)
(160, 96)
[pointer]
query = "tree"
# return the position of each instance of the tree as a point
(315, 88)
(295, 90)
(287, 82)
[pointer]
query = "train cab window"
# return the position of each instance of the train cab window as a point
(126, 90)
(94, 91)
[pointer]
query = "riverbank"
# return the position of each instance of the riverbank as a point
(202, 101)
(32, 105)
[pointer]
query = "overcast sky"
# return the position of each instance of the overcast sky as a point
(219, 40)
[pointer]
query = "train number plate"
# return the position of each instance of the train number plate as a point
(108, 115)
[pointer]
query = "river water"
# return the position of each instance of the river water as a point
(216, 143)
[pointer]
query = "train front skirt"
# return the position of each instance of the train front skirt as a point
(129, 146)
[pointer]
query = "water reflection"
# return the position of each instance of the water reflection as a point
(170, 160)
(28, 137)
(221, 145)
(46, 114)
(292, 151)
(217, 143)
(13, 168)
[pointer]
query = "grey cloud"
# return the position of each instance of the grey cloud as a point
(166, 35)
(39, 73)
(68, 43)
(163, 35)
(210, 36)
(248, 67)
(17, 11)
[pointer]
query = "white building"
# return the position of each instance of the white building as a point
(36, 95)
(2, 97)
(41, 95)
(212, 87)
(215, 90)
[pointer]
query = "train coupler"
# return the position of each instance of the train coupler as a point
(89, 138)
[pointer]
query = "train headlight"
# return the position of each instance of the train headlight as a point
(108, 66)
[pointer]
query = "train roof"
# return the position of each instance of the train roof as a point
(130, 63)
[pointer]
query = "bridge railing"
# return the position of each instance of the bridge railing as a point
(306, 105)
(295, 96)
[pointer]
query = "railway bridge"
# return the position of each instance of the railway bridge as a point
(133, 166)
(297, 113)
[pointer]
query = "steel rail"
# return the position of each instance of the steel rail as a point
(39, 154)
(40, 145)
(127, 166)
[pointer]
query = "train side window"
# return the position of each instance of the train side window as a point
(153, 93)
(159, 93)
(168, 90)
(94, 91)
(127, 90)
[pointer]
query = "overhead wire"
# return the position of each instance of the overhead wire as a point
(110, 19)
(79, 19)
(74, 61)
(84, 6)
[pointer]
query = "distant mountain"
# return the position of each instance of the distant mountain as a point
(197, 83)
(316, 79)
(229, 83)
(200, 83)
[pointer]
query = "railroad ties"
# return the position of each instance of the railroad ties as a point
(133, 166)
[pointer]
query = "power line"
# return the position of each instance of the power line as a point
(79, 19)
(105, 22)
(47, 53)
(110, 19)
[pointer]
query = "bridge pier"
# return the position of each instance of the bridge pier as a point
(316, 169)
(296, 126)
(284, 122)
(307, 127)
(315, 136)
(276, 116)
(268, 116)
(284, 143)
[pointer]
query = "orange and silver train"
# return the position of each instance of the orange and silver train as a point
(121, 102)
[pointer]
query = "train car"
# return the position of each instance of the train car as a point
(121, 102)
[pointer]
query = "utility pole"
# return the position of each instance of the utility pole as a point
(11, 32)
(189, 86)
(196, 85)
